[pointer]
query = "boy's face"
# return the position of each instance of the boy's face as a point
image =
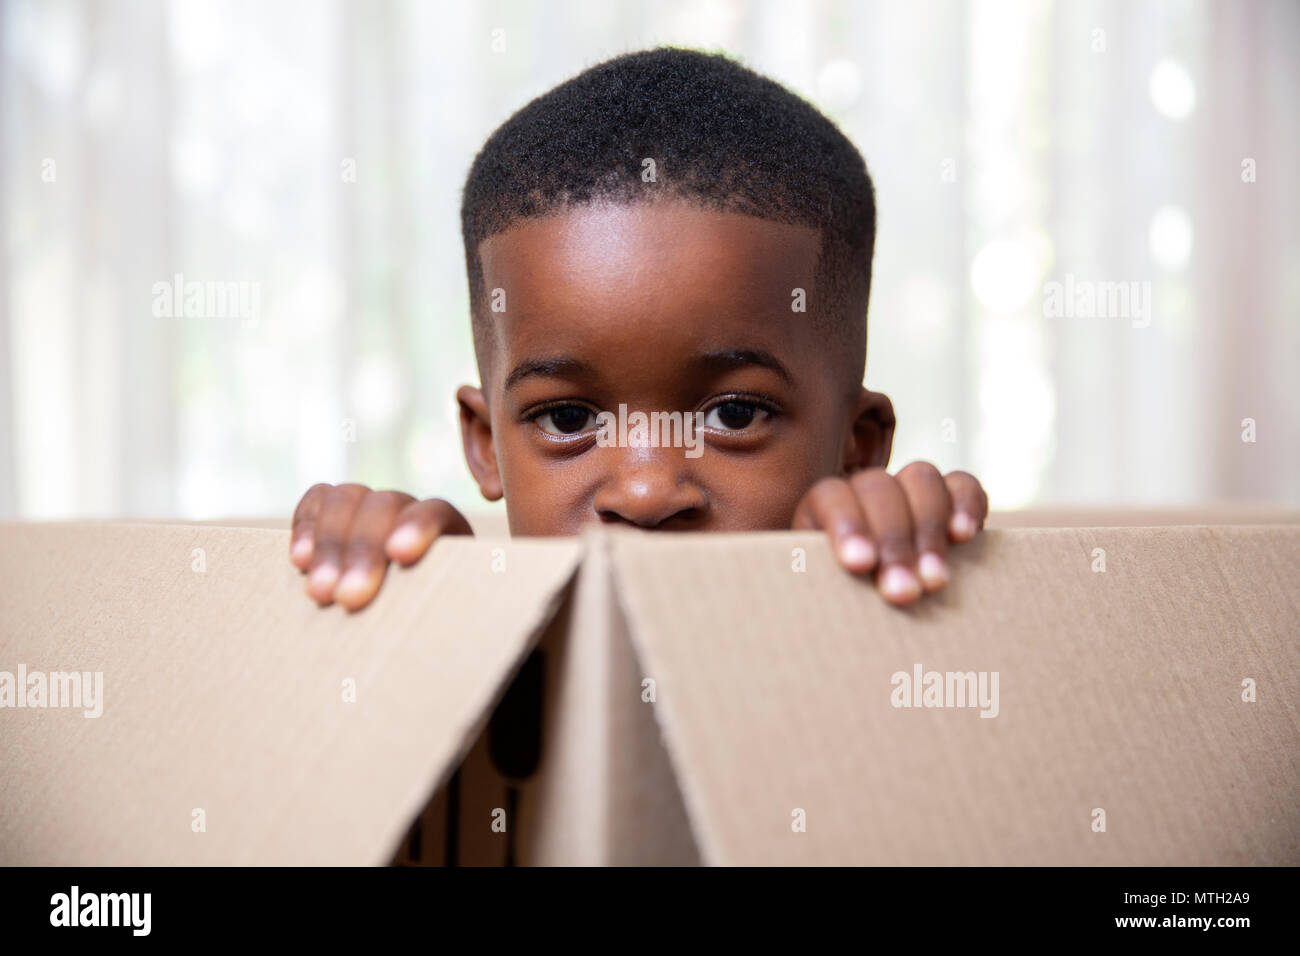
(662, 308)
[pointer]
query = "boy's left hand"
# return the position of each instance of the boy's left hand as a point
(897, 525)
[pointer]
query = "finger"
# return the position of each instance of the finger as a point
(970, 505)
(364, 560)
(890, 522)
(301, 536)
(332, 525)
(830, 505)
(418, 525)
(931, 507)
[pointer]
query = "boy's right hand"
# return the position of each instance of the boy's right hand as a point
(344, 536)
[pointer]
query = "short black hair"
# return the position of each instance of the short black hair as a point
(721, 135)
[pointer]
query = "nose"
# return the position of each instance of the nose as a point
(649, 493)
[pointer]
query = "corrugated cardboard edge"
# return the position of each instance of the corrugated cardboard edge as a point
(495, 525)
(418, 797)
(601, 791)
(646, 819)
(600, 543)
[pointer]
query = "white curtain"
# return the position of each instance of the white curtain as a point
(314, 152)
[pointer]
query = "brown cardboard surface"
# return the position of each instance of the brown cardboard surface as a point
(223, 691)
(1118, 689)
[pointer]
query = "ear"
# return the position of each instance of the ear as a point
(476, 437)
(871, 433)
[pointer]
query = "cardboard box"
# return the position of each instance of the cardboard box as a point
(641, 698)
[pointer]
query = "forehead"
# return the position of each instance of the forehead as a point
(666, 272)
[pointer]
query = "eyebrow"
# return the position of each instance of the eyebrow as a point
(724, 360)
(717, 360)
(549, 367)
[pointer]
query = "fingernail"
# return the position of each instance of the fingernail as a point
(933, 570)
(857, 551)
(352, 587)
(899, 583)
(323, 578)
(963, 525)
(301, 550)
(405, 539)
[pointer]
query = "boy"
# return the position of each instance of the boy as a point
(666, 232)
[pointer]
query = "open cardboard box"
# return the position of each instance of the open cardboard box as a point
(640, 698)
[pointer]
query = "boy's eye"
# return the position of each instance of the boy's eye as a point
(565, 419)
(734, 415)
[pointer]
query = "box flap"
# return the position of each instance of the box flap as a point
(1121, 657)
(205, 640)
